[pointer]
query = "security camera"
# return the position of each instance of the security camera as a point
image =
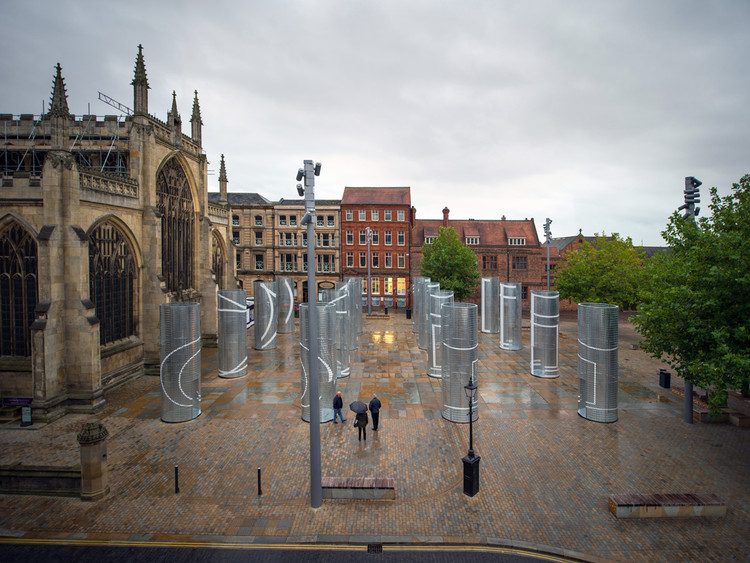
(300, 174)
(317, 168)
(300, 190)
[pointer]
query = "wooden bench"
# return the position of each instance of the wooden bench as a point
(359, 488)
(660, 505)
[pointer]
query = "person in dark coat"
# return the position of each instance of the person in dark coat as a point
(361, 424)
(375, 410)
(338, 403)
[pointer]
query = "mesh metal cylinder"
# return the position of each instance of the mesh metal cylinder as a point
(326, 361)
(232, 335)
(460, 348)
(343, 320)
(356, 291)
(597, 361)
(417, 286)
(424, 314)
(545, 320)
(351, 332)
(266, 315)
(510, 316)
(438, 299)
(180, 366)
(285, 300)
(491, 305)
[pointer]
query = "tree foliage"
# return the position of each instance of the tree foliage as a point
(608, 271)
(696, 312)
(451, 263)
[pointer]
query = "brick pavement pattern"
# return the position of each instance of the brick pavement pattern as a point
(545, 475)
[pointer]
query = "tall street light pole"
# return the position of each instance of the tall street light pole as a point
(471, 461)
(692, 196)
(369, 280)
(308, 173)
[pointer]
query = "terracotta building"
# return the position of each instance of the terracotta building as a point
(388, 214)
(102, 219)
(505, 249)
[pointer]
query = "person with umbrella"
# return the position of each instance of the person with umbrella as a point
(361, 419)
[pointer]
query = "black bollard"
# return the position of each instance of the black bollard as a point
(259, 490)
(176, 479)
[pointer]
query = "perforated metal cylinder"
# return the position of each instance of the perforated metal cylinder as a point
(232, 337)
(491, 305)
(460, 348)
(545, 320)
(438, 299)
(351, 333)
(356, 293)
(417, 286)
(180, 366)
(285, 299)
(326, 361)
(340, 301)
(597, 361)
(424, 314)
(266, 315)
(510, 316)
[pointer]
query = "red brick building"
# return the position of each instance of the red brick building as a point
(387, 213)
(506, 249)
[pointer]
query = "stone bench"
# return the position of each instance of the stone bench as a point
(359, 488)
(659, 505)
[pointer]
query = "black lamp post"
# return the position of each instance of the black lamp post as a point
(471, 461)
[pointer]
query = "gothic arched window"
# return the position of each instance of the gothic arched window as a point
(18, 289)
(175, 204)
(217, 260)
(112, 276)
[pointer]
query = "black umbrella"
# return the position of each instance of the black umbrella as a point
(358, 407)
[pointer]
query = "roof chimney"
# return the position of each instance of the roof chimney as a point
(446, 211)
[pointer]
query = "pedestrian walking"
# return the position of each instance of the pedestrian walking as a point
(375, 410)
(361, 424)
(338, 404)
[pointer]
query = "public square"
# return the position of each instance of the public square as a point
(545, 473)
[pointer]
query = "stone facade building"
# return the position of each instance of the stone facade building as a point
(101, 221)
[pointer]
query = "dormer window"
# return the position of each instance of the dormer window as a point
(429, 240)
(517, 241)
(472, 240)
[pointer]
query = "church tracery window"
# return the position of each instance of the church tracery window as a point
(175, 203)
(18, 289)
(217, 260)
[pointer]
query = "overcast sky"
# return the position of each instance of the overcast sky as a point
(590, 113)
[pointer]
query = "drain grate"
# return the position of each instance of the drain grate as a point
(374, 548)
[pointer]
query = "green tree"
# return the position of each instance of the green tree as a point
(608, 271)
(696, 312)
(451, 263)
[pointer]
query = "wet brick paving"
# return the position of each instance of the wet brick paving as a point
(546, 473)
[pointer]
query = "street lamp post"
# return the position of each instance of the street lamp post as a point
(471, 461)
(308, 173)
(548, 237)
(369, 280)
(692, 196)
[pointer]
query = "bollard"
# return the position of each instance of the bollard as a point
(176, 479)
(260, 492)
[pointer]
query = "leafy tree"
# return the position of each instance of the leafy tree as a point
(696, 312)
(608, 271)
(451, 263)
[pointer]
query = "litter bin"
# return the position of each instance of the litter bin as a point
(665, 379)
(408, 312)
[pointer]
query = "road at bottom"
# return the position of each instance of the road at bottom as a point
(122, 553)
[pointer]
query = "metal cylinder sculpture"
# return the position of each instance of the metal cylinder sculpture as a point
(597, 361)
(510, 316)
(232, 333)
(460, 348)
(266, 315)
(491, 305)
(351, 333)
(340, 302)
(417, 286)
(285, 300)
(424, 314)
(180, 366)
(438, 299)
(356, 294)
(545, 320)
(326, 368)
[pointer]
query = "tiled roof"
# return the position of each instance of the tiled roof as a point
(490, 232)
(377, 196)
(302, 202)
(239, 198)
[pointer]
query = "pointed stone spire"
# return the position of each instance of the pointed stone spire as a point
(222, 181)
(58, 105)
(195, 121)
(174, 120)
(140, 85)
